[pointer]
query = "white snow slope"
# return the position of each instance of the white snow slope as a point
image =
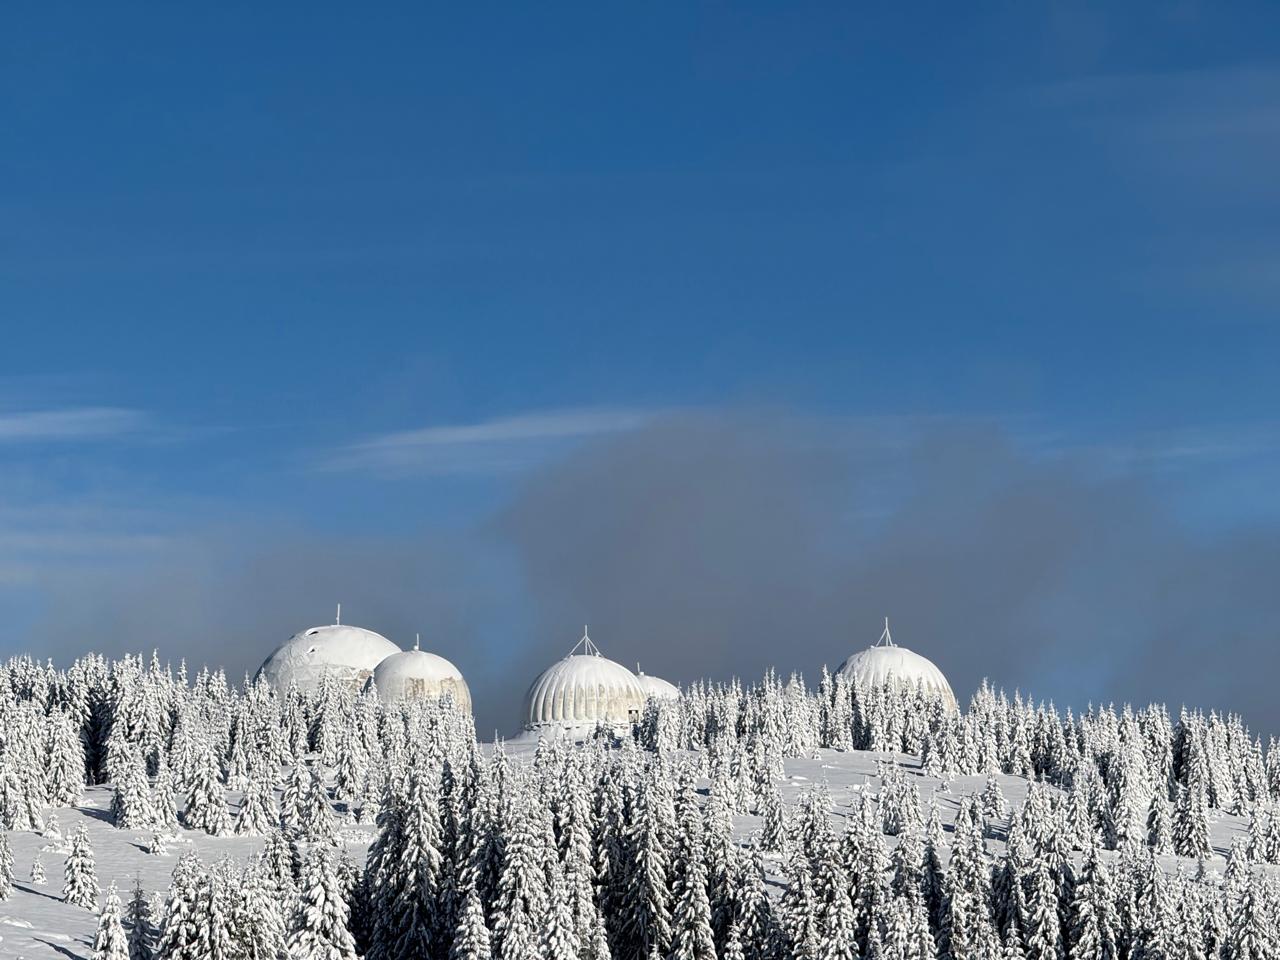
(35, 923)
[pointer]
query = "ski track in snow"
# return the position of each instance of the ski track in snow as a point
(36, 924)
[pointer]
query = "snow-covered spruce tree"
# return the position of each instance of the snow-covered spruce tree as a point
(66, 763)
(870, 880)
(319, 924)
(559, 940)
(800, 909)
(1154, 925)
(575, 833)
(646, 925)
(839, 935)
(207, 803)
(899, 802)
(80, 885)
(1126, 820)
(967, 931)
(19, 805)
(131, 805)
(164, 800)
(522, 885)
(1251, 934)
(239, 760)
(350, 771)
(1191, 822)
(774, 815)
(140, 925)
(905, 933)
(758, 927)
(212, 914)
(931, 872)
(257, 915)
(1092, 921)
(691, 936)
(1159, 827)
(180, 935)
(37, 871)
(471, 938)
(293, 800)
(110, 942)
(1043, 933)
(719, 845)
(256, 815)
(407, 883)
(282, 860)
(733, 949)
(6, 867)
(1261, 836)
(994, 806)
(315, 818)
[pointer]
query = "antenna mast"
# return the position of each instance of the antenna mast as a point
(585, 643)
(886, 639)
(338, 622)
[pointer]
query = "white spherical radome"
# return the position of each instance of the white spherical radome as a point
(887, 662)
(345, 653)
(419, 675)
(581, 691)
(656, 687)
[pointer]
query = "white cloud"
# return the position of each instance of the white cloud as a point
(488, 446)
(71, 424)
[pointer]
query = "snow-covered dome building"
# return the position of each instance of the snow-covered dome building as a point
(346, 653)
(887, 661)
(656, 687)
(418, 675)
(573, 695)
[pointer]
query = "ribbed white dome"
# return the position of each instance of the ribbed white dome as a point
(656, 687)
(419, 675)
(582, 690)
(887, 661)
(345, 653)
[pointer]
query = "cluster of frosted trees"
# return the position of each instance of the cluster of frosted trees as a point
(678, 842)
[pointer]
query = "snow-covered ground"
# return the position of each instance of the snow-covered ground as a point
(36, 923)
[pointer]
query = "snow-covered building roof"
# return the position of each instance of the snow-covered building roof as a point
(582, 690)
(656, 687)
(418, 675)
(886, 661)
(346, 653)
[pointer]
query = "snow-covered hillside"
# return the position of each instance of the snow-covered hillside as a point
(768, 821)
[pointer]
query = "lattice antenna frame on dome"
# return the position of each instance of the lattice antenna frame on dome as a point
(886, 638)
(589, 648)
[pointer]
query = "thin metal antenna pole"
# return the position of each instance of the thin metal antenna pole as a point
(886, 638)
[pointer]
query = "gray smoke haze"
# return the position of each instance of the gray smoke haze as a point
(719, 544)
(711, 545)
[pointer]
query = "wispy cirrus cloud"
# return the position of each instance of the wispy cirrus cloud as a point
(69, 424)
(497, 445)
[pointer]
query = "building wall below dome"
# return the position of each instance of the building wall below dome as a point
(586, 705)
(420, 688)
(308, 675)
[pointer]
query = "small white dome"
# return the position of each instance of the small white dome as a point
(887, 661)
(582, 690)
(419, 675)
(656, 687)
(348, 654)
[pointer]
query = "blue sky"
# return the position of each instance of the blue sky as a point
(305, 274)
